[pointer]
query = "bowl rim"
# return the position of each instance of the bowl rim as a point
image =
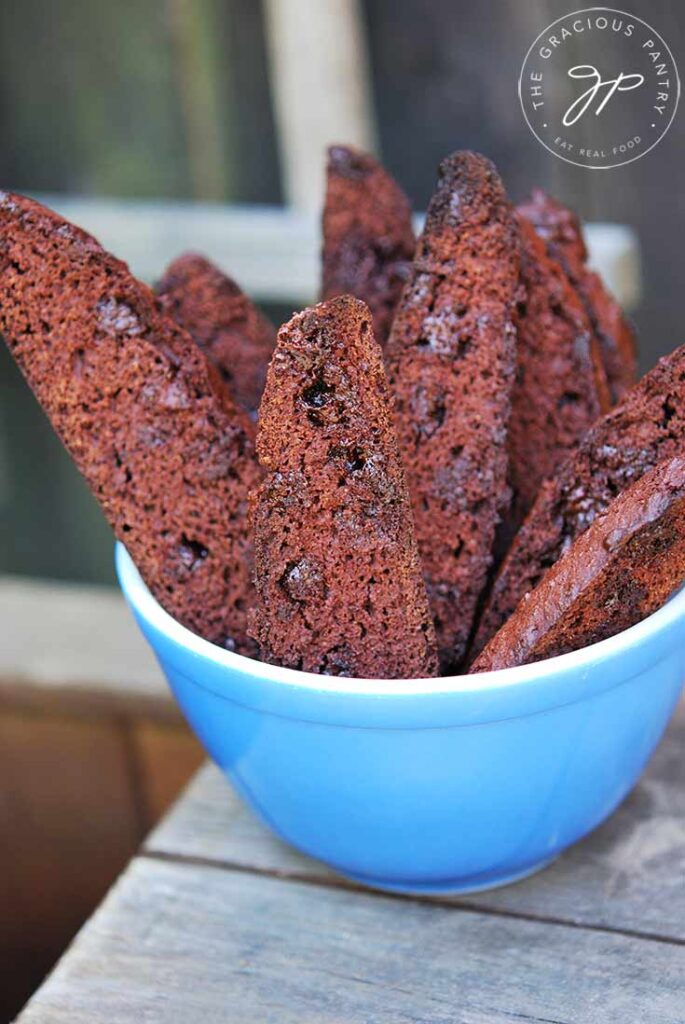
(519, 677)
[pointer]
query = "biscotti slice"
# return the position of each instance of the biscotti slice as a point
(625, 566)
(560, 227)
(647, 426)
(561, 386)
(165, 452)
(337, 574)
(614, 332)
(222, 320)
(368, 239)
(451, 360)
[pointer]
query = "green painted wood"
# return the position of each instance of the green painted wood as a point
(90, 98)
(202, 88)
(169, 98)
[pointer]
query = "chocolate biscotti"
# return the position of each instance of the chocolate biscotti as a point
(558, 225)
(368, 240)
(560, 228)
(614, 333)
(220, 318)
(339, 587)
(165, 452)
(625, 566)
(451, 361)
(561, 386)
(647, 426)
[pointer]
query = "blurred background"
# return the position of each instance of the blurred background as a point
(231, 102)
(174, 124)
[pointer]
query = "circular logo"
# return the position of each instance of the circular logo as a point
(599, 88)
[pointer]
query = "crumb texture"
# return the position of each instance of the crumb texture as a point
(561, 386)
(337, 575)
(646, 427)
(561, 229)
(368, 239)
(221, 319)
(625, 566)
(451, 361)
(165, 452)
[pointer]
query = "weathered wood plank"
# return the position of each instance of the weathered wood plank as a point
(628, 875)
(273, 252)
(319, 98)
(190, 944)
(68, 826)
(79, 791)
(165, 758)
(76, 646)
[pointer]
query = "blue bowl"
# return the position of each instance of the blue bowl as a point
(428, 785)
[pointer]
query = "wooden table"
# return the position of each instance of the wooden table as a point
(93, 751)
(217, 921)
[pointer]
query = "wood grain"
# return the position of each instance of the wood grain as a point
(196, 944)
(217, 920)
(76, 646)
(273, 252)
(629, 875)
(67, 828)
(165, 758)
(320, 92)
